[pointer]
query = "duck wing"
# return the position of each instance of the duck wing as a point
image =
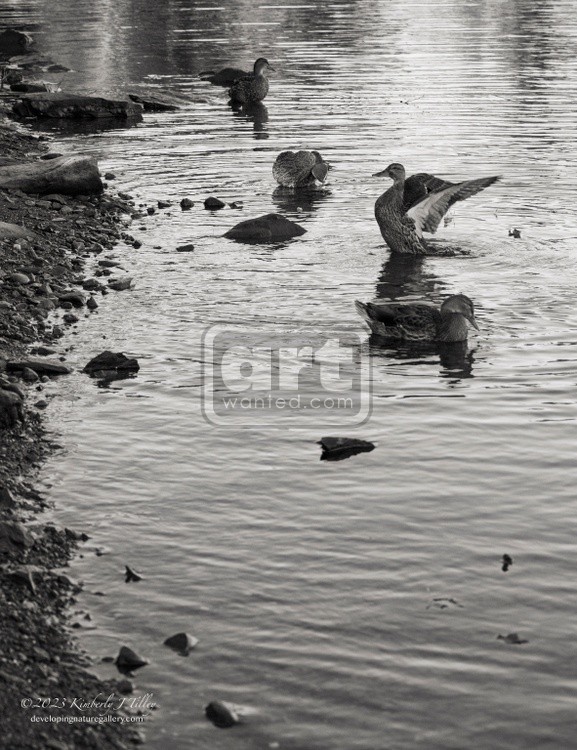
(418, 186)
(294, 167)
(429, 211)
(406, 320)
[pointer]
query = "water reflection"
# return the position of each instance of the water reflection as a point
(303, 202)
(256, 113)
(406, 275)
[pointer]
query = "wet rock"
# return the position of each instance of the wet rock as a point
(185, 248)
(19, 278)
(120, 285)
(339, 448)
(24, 87)
(125, 687)
(268, 228)
(137, 244)
(214, 204)
(57, 68)
(507, 562)
(131, 576)
(186, 203)
(70, 318)
(515, 233)
(154, 103)
(61, 105)
(13, 536)
(236, 204)
(108, 360)
(183, 643)
(40, 366)
(512, 638)
(14, 42)
(29, 376)
(164, 204)
(127, 660)
(109, 176)
(69, 175)
(91, 285)
(222, 715)
(91, 303)
(76, 299)
(444, 602)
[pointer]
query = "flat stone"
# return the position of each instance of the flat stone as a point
(60, 105)
(108, 360)
(40, 366)
(185, 248)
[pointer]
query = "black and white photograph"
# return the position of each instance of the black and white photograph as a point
(288, 374)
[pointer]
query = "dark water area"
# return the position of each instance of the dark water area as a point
(347, 604)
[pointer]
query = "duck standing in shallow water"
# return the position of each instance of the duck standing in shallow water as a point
(411, 207)
(253, 87)
(299, 168)
(419, 322)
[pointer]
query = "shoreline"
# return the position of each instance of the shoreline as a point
(48, 700)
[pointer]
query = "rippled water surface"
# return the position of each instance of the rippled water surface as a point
(311, 585)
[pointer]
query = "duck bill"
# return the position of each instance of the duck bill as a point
(270, 67)
(384, 173)
(473, 322)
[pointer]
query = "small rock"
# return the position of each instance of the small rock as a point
(29, 376)
(18, 278)
(507, 562)
(164, 204)
(70, 318)
(186, 203)
(131, 576)
(127, 659)
(222, 715)
(236, 204)
(40, 366)
(183, 643)
(185, 248)
(125, 687)
(119, 285)
(13, 535)
(150, 210)
(109, 176)
(42, 404)
(339, 448)
(76, 299)
(512, 638)
(66, 305)
(91, 303)
(136, 244)
(515, 233)
(214, 204)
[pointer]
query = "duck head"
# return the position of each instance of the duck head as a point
(395, 171)
(461, 304)
(261, 65)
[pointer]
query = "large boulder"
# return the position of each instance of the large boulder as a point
(58, 105)
(14, 42)
(268, 228)
(66, 175)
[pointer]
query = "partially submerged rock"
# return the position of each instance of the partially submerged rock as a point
(154, 103)
(67, 175)
(183, 643)
(120, 285)
(60, 105)
(127, 660)
(108, 360)
(214, 204)
(268, 228)
(131, 576)
(512, 638)
(339, 448)
(222, 715)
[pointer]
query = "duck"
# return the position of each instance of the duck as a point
(296, 169)
(419, 321)
(252, 87)
(416, 205)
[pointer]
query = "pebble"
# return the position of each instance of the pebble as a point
(70, 318)
(19, 278)
(185, 248)
(91, 304)
(186, 203)
(221, 714)
(109, 176)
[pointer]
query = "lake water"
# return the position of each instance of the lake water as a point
(321, 592)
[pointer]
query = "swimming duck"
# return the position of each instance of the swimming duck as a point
(417, 321)
(299, 168)
(411, 207)
(252, 87)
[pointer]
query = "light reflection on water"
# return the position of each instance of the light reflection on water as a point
(308, 583)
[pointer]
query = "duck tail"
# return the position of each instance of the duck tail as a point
(363, 311)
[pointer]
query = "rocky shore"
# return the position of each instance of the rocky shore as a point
(48, 699)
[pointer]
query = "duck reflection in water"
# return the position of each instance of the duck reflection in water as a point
(403, 277)
(257, 113)
(302, 202)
